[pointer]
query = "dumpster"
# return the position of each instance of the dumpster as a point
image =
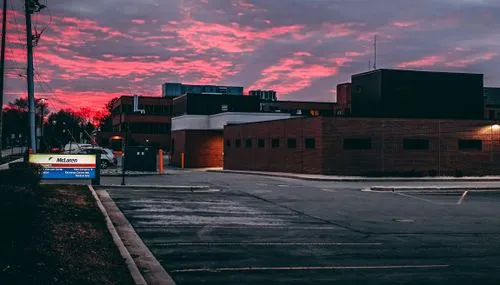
(140, 158)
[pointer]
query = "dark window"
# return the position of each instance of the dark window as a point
(470, 144)
(237, 143)
(292, 143)
(358, 143)
(310, 143)
(415, 144)
(228, 143)
(248, 143)
(261, 143)
(275, 143)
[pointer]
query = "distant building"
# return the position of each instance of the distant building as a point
(178, 89)
(344, 99)
(264, 95)
(492, 103)
(300, 108)
(391, 93)
(146, 119)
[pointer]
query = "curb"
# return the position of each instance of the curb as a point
(170, 187)
(132, 267)
(361, 179)
(434, 189)
(152, 271)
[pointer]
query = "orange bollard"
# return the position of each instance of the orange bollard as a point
(182, 160)
(160, 157)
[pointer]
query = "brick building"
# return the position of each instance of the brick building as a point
(197, 128)
(344, 99)
(492, 103)
(149, 123)
(364, 146)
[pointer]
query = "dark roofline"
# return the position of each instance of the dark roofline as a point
(412, 70)
(300, 102)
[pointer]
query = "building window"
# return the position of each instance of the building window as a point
(224, 108)
(358, 143)
(310, 143)
(248, 143)
(292, 143)
(228, 143)
(470, 144)
(261, 143)
(237, 143)
(416, 144)
(275, 143)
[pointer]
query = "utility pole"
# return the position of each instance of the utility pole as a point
(31, 6)
(2, 68)
(31, 84)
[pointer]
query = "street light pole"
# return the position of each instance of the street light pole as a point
(124, 145)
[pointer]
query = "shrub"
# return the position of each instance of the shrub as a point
(22, 174)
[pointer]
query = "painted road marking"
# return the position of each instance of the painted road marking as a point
(269, 244)
(261, 184)
(329, 190)
(462, 198)
(416, 198)
(282, 185)
(336, 267)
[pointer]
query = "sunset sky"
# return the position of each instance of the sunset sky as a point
(94, 50)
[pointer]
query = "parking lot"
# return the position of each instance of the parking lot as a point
(261, 230)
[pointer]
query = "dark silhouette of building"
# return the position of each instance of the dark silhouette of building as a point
(392, 93)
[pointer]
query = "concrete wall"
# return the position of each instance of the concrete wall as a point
(218, 121)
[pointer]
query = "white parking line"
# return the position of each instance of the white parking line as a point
(282, 185)
(329, 190)
(416, 198)
(337, 267)
(269, 244)
(462, 198)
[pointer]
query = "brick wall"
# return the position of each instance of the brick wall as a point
(201, 148)
(268, 158)
(386, 154)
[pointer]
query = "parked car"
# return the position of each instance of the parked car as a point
(107, 157)
(75, 147)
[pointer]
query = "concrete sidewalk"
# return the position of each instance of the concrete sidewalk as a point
(6, 165)
(326, 178)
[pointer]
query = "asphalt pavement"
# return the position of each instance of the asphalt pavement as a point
(267, 230)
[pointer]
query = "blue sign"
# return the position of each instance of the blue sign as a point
(68, 173)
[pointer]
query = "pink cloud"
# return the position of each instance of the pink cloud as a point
(404, 24)
(138, 21)
(464, 62)
(291, 75)
(423, 62)
(232, 38)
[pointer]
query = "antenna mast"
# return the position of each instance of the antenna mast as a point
(375, 52)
